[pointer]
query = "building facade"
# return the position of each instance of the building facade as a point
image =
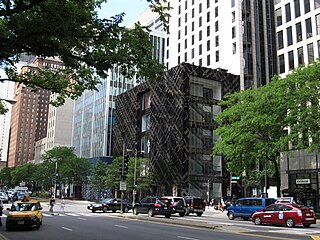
(171, 120)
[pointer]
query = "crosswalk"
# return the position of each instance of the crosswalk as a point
(66, 214)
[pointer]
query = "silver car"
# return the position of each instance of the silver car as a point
(4, 197)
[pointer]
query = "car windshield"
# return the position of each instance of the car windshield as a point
(19, 207)
(299, 206)
(107, 200)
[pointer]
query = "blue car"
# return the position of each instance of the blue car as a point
(246, 207)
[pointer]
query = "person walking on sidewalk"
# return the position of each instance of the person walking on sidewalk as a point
(1, 209)
(62, 204)
(51, 204)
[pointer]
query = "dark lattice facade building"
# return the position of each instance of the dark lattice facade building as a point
(171, 119)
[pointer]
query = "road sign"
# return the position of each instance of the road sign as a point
(235, 178)
(123, 186)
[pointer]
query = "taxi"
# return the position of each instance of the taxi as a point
(24, 213)
(288, 214)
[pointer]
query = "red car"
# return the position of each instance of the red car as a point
(285, 214)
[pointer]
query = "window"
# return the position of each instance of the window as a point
(179, 34)
(179, 61)
(233, 32)
(200, 7)
(216, 12)
(308, 28)
(192, 26)
(234, 48)
(200, 49)
(200, 35)
(208, 3)
(200, 62)
(280, 39)
(291, 60)
(185, 30)
(299, 32)
(217, 41)
(185, 57)
(179, 9)
(192, 40)
(316, 3)
(208, 31)
(179, 47)
(300, 56)
(208, 16)
(200, 21)
(208, 45)
(306, 6)
(185, 17)
(185, 43)
(192, 53)
(233, 16)
(208, 60)
(216, 26)
(179, 22)
(318, 48)
(233, 3)
(288, 12)
(281, 64)
(279, 17)
(297, 8)
(318, 23)
(310, 53)
(289, 36)
(217, 56)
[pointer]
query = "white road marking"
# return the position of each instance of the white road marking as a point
(82, 218)
(187, 238)
(69, 229)
(120, 226)
(72, 214)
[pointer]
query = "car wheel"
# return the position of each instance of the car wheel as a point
(231, 216)
(105, 209)
(93, 211)
(135, 211)
(290, 223)
(181, 214)
(199, 214)
(150, 213)
(307, 224)
(257, 221)
(126, 209)
(38, 225)
(168, 215)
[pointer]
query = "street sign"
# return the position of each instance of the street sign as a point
(235, 178)
(123, 186)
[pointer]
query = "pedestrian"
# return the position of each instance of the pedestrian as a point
(212, 202)
(62, 204)
(220, 208)
(51, 204)
(1, 209)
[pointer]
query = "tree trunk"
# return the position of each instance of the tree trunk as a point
(277, 176)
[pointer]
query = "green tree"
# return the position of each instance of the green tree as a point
(23, 173)
(113, 176)
(72, 32)
(97, 179)
(5, 177)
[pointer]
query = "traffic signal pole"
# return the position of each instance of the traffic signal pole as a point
(121, 178)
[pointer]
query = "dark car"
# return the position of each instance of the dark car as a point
(285, 214)
(154, 206)
(178, 203)
(110, 204)
(195, 205)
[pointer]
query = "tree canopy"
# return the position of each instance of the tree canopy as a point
(257, 124)
(72, 32)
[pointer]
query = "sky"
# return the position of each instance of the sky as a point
(132, 9)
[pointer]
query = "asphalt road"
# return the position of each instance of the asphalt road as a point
(79, 223)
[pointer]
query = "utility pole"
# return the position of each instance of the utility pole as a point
(55, 180)
(122, 178)
(134, 178)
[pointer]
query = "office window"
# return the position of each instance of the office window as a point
(233, 2)
(200, 21)
(185, 17)
(281, 64)
(208, 45)
(200, 7)
(185, 30)
(179, 47)
(217, 56)
(318, 23)
(310, 53)
(306, 6)
(208, 31)
(208, 60)
(279, 17)
(185, 43)
(179, 61)
(300, 56)
(192, 2)
(316, 4)
(308, 28)
(217, 41)
(200, 62)
(192, 53)
(318, 48)
(288, 12)
(297, 8)
(192, 39)
(185, 57)
(179, 22)
(200, 49)
(216, 26)
(291, 60)
(289, 36)
(200, 35)
(280, 39)
(233, 16)
(179, 34)
(167, 53)
(234, 48)
(299, 32)
(192, 26)
(192, 13)
(179, 9)
(208, 3)
(233, 32)
(216, 12)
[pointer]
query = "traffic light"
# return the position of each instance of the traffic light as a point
(126, 164)
(120, 170)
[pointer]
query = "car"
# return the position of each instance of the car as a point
(110, 204)
(195, 205)
(179, 204)
(154, 206)
(25, 213)
(4, 197)
(285, 214)
(246, 207)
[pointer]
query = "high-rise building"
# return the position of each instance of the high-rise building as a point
(94, 111)
(234, 35)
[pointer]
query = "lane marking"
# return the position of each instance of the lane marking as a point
(81, 218)
(120, 226)
(68, 229)
(187, 238)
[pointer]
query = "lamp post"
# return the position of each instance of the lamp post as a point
(134, 178)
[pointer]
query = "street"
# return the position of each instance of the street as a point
(79, 223)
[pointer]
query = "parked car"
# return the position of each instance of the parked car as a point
(154, 206)
(178, 204)
(246, 207)
(195, 205)
(285, 214)
(25, 213)
(110, 204)
(4, 197)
